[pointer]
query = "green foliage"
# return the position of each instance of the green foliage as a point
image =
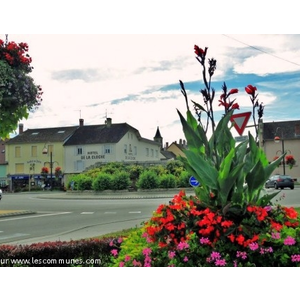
(120, 180)
(18, 92)
(84, 182)
(102, 182)
(183, 179)
(148, 180)
(167, 181)
(134, 171)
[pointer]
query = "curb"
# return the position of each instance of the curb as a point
(17, 213)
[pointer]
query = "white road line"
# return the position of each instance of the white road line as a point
(35, 216)
(87, 213)
(135, 212)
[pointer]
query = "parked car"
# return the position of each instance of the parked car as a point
(280, 181)
(0, 194)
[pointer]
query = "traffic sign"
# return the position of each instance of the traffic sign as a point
(194, 182)
(240, 121)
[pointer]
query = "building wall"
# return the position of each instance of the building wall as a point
(26, 163)
(128, 149)
(292, 147)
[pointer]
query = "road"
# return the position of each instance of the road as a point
(69, 217)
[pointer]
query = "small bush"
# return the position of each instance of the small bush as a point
(120, 181)
(102, 182)
(167, 181)
(148, 180)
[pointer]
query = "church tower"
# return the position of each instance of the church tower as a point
(158, 138)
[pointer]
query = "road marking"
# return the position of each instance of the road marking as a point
(15, 235)
(87, 213)
(135, 212)
(110, 212)
(35, 216)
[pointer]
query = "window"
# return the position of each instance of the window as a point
(33, 151)
(79, 151)
(147, 151)
(79, 165)
(17, 151)
(19, 168)
(125, 149)
(156, 153)
(152, 152)
(135, 150)
(107, 149)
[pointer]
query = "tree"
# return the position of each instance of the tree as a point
(18, 92)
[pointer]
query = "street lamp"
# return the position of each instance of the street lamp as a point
(277, 139)
(45, 151)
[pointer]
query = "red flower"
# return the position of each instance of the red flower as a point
(240, 239)
(200, 52)
(291, 212)
(233, 91)
(250, 90)
(235, 106)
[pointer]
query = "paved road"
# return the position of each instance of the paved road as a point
(65, 216)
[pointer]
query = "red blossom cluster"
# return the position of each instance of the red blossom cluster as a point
(45, 170)
(15, 55)
(174, 223)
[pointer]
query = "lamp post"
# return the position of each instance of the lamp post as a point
(277, 139)
(45, 151)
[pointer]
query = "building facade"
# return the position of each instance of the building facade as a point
(287, 140)
(73, 149)
(105, 143)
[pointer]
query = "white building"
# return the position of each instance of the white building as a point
(90, 144)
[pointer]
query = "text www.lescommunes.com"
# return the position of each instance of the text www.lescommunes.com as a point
(48, 261)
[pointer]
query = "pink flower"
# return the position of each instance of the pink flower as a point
(275, 235)
(253, 246)
(220, 262)
(185, 259)
(289, 241)
(295, 258)
(241, 254)
(121, 264)
(114, 252)
(127, 258)
(215, 255)
(171, 254)
(182, 245)
(204, 240)
(147, 251)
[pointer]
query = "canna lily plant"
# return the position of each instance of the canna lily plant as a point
(231, 176)
(229, 221)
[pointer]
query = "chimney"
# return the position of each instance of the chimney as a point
(108, 122)
(167, 145)
(80, 122)
(180, 142)
(21, 128)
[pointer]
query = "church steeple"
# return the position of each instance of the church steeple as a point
(158, 138)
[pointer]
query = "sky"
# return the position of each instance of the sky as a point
(134, 78)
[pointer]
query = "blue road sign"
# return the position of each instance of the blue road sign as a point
(194, 182)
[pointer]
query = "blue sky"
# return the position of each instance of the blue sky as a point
(134, 78)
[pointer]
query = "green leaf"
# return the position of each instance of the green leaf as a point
(205, 173)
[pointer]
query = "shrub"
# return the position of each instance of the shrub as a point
(102, 182)
(148, 180)
(183, 180)
(167, 181)
(84, 182)
(120, 181)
